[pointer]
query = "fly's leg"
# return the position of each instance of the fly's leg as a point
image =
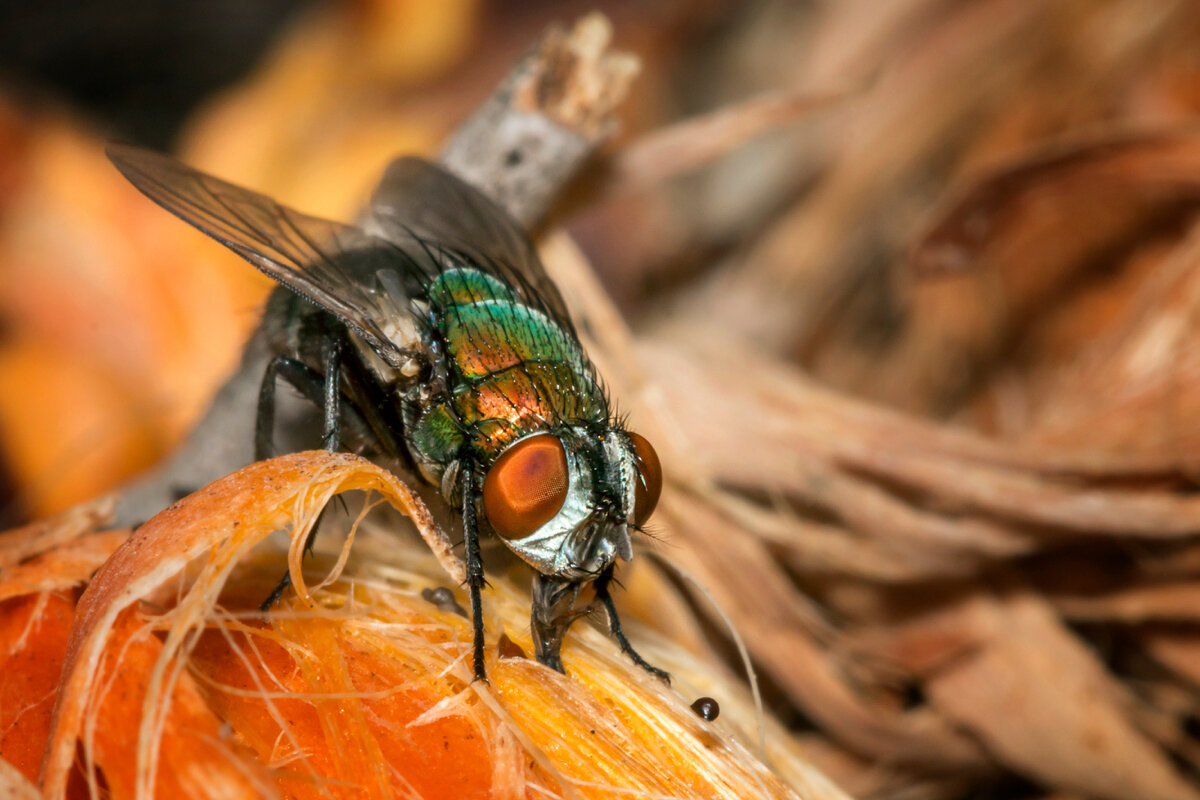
(475, 577)
(303, 378)
(264, 421)
(614, 624)
(331, 354)
(284, 583)
(322, 389)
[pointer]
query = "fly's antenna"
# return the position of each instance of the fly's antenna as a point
(743, 653)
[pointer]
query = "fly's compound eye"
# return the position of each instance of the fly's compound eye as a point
(649, 480)
(526, 486)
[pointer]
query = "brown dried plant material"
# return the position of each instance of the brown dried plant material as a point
(1126, 387)
(692, 143)
(961, 90)
(174, 683)
(1031, 669)
(921, 502)
(1116, 180)
(1168, 601)
(1177, 649)
(1031, 234)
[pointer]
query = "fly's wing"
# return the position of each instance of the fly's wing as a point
(421, 204)
(338, 267)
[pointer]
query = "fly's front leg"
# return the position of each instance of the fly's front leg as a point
(475, 577)
(614, 624)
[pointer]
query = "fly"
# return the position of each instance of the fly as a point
(431, 332)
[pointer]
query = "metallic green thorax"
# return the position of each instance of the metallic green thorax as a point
(508, 370)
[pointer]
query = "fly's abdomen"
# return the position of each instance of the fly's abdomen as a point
(512, 370)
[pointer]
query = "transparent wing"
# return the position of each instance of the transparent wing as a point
(342, 269)
(420, 200)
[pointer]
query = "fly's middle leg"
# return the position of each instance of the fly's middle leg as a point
(603, 594)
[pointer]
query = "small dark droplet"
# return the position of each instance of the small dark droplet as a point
(444, 599)
(512, 158)
(706, 708)
(507, 648)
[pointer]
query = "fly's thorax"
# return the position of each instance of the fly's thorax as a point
(590, 511)
(503, 370)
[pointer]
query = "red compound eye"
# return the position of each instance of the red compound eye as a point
(649, 485)
(526, 486)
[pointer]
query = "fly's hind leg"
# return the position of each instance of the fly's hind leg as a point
(323, 390)
(601, 587)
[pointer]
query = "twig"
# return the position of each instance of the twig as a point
(545, 120)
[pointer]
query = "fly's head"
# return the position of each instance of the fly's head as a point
(565, 501)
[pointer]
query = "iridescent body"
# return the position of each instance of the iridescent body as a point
(512, 371)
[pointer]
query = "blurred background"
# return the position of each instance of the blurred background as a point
(931, 343)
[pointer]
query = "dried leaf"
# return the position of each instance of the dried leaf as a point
(1078, 194)
(1039, 700)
